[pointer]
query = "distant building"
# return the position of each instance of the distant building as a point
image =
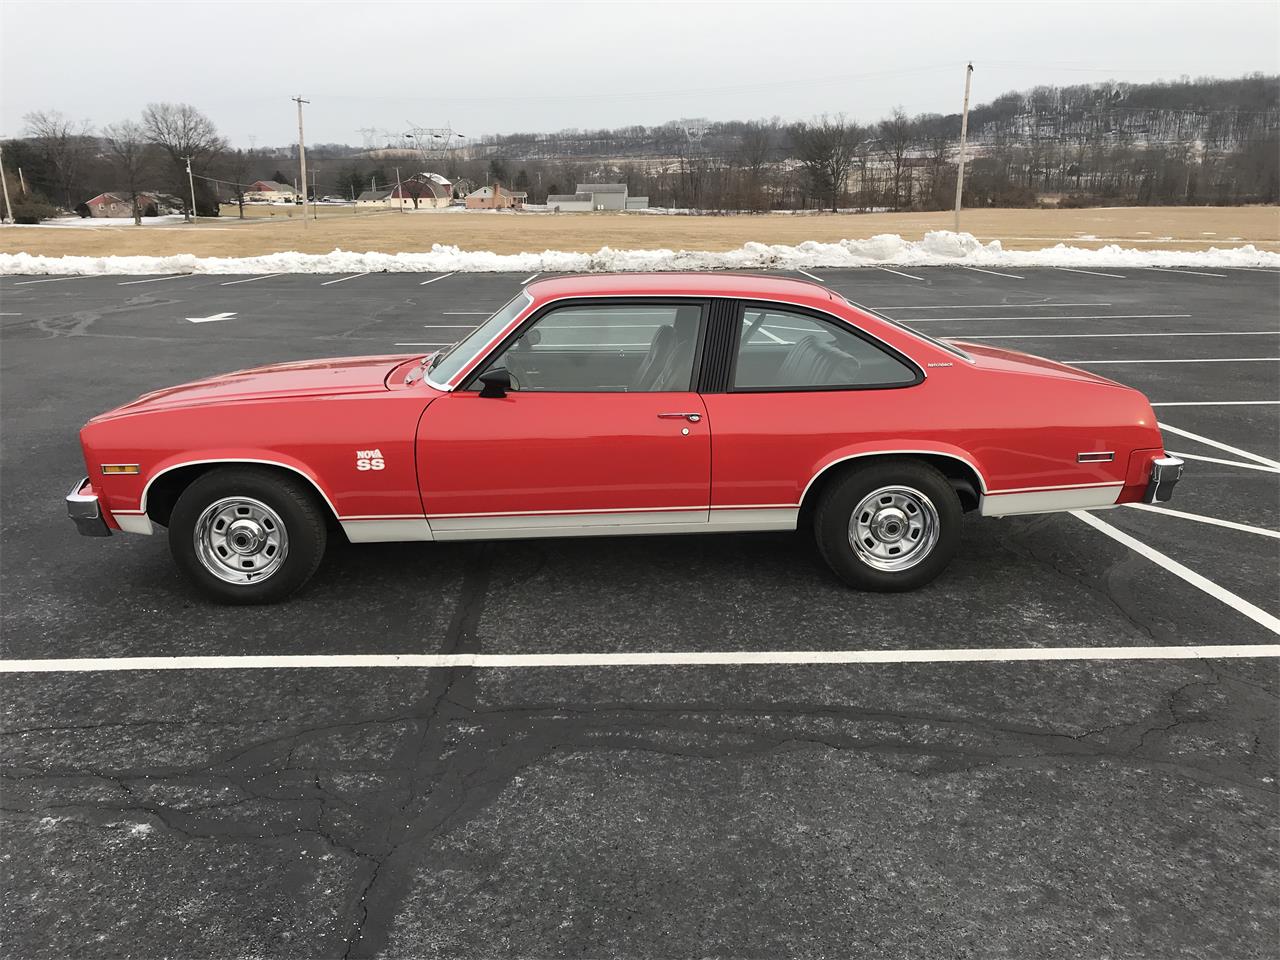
(596, 196)
(570, 202)
(430, 190)
(270, 191)
(496, 197)
(605, 196)
(120, 205)
(373, 198)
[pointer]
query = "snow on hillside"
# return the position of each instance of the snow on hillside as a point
(938, 248)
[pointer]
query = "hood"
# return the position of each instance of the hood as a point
(305, 378)
(1011, 361)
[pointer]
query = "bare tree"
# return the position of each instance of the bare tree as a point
(182, 132)
(237, 164)
(64, 145)
(131, 156)
(826, 148)
(415, 188)
(896, 134)
(754, 151)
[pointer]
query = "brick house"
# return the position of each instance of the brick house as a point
(119, 205)
(496, 197)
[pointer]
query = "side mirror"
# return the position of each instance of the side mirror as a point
(496, 382)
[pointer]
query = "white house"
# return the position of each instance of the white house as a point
(570, 202)
(589, 197)
(270, 190)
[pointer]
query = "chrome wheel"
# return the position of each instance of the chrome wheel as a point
(893, 528)
(240, 540)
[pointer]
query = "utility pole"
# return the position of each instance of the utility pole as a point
(302, 157)
(8, 208)
(315, 195)
(399, 192)
(964, 135)
(191, 183)
(22, 182)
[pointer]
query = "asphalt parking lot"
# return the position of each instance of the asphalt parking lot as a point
(1109, 808)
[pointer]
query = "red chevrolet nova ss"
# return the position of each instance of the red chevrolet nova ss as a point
(591, 405)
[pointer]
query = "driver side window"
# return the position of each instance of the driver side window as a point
(606, 348)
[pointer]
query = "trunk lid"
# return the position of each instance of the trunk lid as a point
(1013, 361)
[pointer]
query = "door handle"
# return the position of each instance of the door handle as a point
(691, 417)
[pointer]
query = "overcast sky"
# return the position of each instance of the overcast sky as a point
(502, 67)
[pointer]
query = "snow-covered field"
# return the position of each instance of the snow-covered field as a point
(83, 222)
(938, 248)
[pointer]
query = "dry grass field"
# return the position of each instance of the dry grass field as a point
(1180, 228)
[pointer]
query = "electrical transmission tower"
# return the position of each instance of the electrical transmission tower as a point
(695, 128)
(433, 144)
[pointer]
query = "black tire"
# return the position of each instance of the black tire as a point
(289, 503)
(922, 561)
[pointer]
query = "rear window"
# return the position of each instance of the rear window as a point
(950, 348)
(783, 350)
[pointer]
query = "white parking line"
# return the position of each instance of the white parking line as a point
(1092, 273)
(990, 306)
(23, 283)
(1225, 463)
(265, 276)
(423, 344)
(341, 279)
(997, 273)
(1256, 614)
(176, 276)
(901, 274)
(742, 658)
(434, 279)
(811, 276)
(1256, 458)
(1094, 336)
(10, 314)
(1214, 521)
(1217, 403)
(1274, 273)
(1182, 360)
(1079, 316)
(1194, 273)
(527, 279)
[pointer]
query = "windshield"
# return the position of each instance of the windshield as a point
(447, 364)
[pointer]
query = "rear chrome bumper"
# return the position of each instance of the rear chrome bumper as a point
(1165, 473)
(84, 511)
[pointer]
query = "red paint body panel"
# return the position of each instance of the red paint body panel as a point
(563, 452)
(1019, 421)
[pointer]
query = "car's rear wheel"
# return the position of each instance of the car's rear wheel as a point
(888, 525)
(247, 535)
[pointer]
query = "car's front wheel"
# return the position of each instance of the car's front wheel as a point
(247, 535)
(889, 525)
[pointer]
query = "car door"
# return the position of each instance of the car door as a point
(799, 384)
(600, 431)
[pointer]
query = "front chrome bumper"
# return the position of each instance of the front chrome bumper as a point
(83, 509)
(1165, 473)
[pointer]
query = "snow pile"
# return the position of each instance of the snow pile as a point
(938, 248)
